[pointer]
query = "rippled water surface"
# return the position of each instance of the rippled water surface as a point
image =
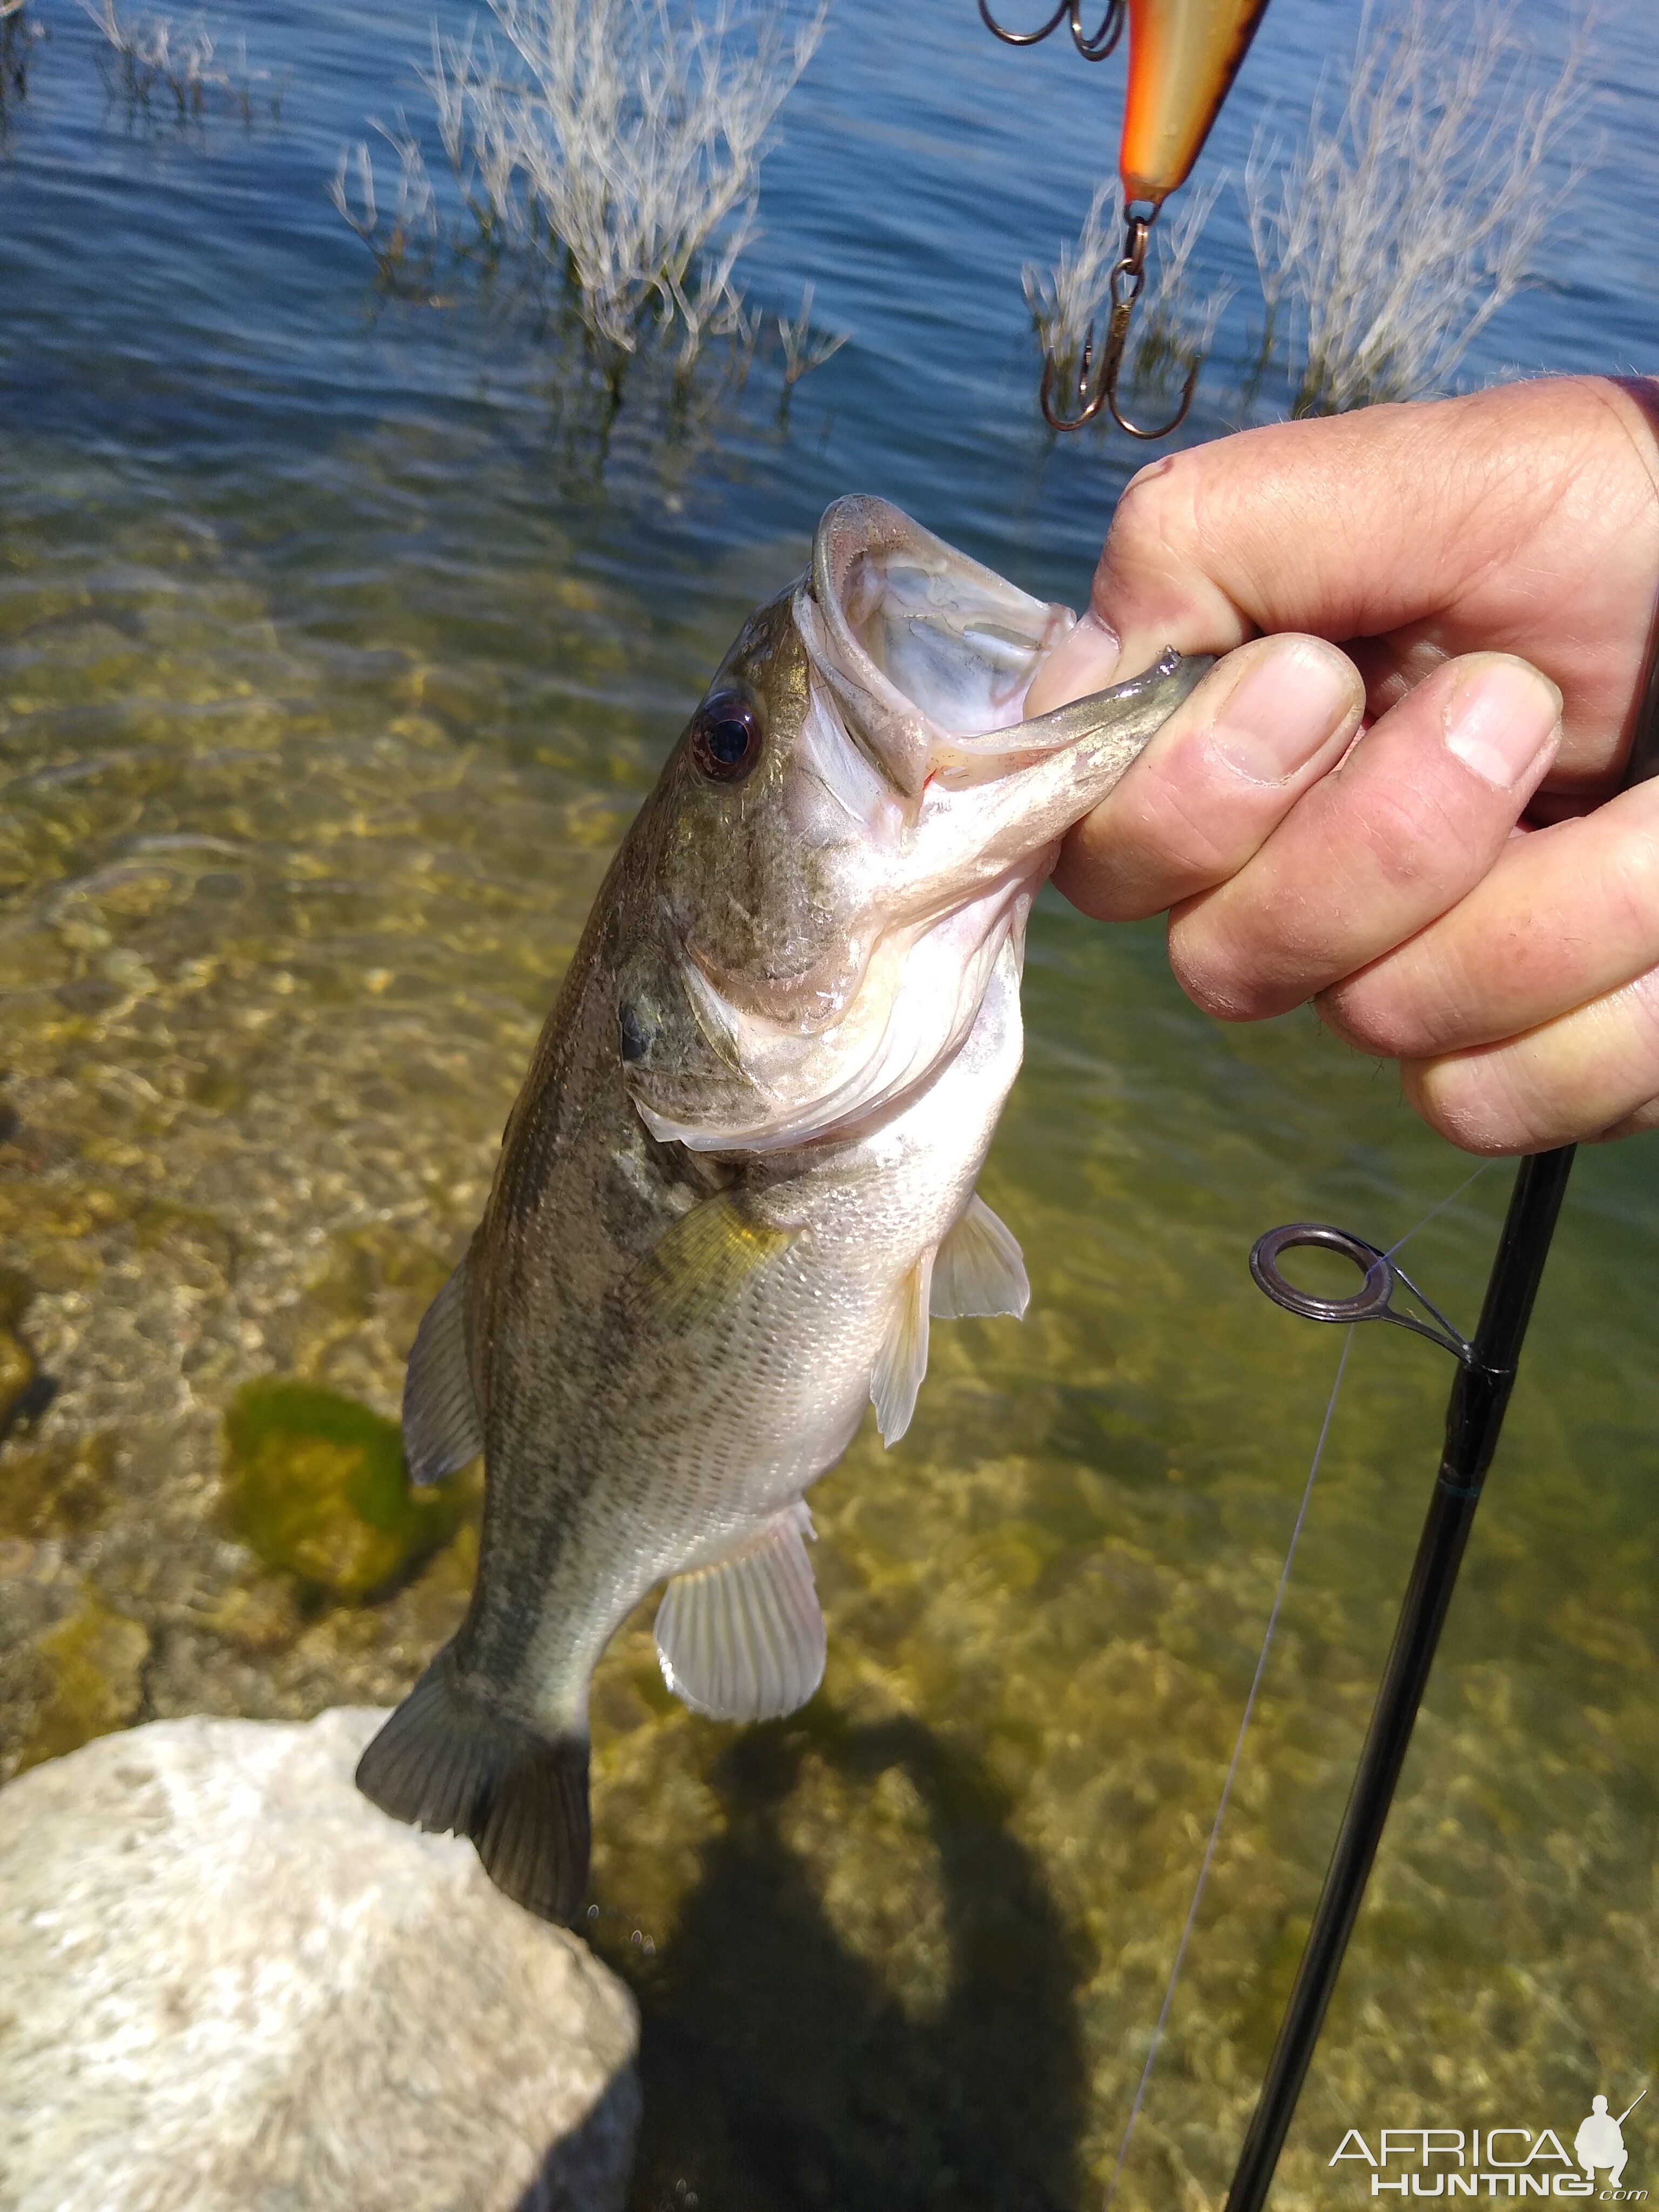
(339, 637)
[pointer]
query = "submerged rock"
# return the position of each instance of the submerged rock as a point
(81, 1676)
(317, 1486)
(62, 1488)
(230, 1982)
(16, 1376)
(24, 1388)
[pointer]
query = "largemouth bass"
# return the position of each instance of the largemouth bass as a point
(739, 1177)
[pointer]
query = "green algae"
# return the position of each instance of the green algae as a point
(84, 1678)
(318, 1486)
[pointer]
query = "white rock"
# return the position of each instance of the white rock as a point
(228, 1981)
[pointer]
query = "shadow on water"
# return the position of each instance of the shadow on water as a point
(781, 2070)
(578, 2170)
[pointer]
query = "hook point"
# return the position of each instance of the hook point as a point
(1089, 405)
(1135, 429)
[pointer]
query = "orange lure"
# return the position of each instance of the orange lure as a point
(1183, 57)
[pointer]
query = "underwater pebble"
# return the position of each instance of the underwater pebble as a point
(231, 1983)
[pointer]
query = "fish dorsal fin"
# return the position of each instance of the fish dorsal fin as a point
(979, 1268)
(742, 1640)
(902, 1359)
(441, 1428)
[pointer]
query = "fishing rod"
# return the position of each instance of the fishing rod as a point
(1486, 1369)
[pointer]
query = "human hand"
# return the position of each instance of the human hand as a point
(1514, 972)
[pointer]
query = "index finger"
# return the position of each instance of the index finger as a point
(1522, 520)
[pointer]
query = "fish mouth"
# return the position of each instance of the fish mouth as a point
(922, 649)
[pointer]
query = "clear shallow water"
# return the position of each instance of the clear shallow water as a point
(335, 652)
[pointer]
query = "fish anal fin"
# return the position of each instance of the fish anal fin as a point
(441, 1428)
(704, 1263)
(742, 1640)
(448, 1759)
(902, 1359)
(979, 1269)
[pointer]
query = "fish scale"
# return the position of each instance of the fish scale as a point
(739, 1179)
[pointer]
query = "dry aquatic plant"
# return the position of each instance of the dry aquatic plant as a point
(623, 137)
(1066, 301)
(152, 59)
(405, 243)
(617, 145)
(1173, 330)
(17, 36)
(1406, 220)
(804, 346)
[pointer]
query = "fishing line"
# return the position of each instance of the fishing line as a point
(1249, 1706)
(1448, 1199)
(1232, 1771)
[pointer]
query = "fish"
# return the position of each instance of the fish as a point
(739, 1182)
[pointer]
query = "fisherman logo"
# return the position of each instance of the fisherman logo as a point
(1498, 2162)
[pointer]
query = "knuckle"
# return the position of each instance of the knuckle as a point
(1212, 969)
(1179, 820)
(1400, 1009)
(1355, 1014)
(1254, 947)
(1414, 838)
(1467, 1104)
(1156, 512)
(1629, 885)
(1638, 1003)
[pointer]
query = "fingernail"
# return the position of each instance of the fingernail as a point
(1500, 718)
(1085, 660)
(1283, 710)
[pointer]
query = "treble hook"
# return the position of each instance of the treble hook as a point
(1093, 45)
(1127, 283)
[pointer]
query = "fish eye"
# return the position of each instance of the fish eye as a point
(726, 737)
(636, 1033)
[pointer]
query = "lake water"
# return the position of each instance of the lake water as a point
(337, 647)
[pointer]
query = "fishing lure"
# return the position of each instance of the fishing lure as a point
(1183, 57)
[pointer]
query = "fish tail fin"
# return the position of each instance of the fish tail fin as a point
(449, 1760)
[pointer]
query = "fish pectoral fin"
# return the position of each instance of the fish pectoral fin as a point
(704, 1261)
(902, 1359)
(441, 1428)
(979, 1268)
(744, 1640)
